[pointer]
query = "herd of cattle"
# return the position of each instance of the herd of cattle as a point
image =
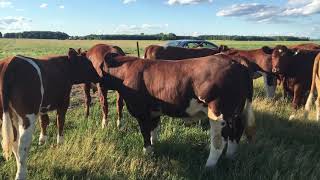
(188, 83)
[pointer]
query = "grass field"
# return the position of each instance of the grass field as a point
(284, 149)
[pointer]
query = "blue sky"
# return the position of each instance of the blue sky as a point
(182, 17)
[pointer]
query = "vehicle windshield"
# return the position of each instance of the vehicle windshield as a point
(172, 43)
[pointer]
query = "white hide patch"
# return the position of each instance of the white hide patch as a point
(24, 144)
(232, 148)
(280, 50)
(217, 143)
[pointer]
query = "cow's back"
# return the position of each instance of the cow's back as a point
(156, 52)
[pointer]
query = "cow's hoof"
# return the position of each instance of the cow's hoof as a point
(104, 123)
(305, 115)
(60, 140)
(210, 165)
(42, 140)
(148, 150)
(292, 117)
(120, 125)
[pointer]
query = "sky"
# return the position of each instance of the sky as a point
(182, 17)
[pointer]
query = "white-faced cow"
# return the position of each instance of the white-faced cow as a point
(29, 89)
(96, 55)
(214, 86)
(295, 66)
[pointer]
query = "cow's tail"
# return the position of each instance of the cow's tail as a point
(7, 126)
(313, 85)
(250, 121)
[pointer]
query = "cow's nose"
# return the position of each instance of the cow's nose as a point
(275, 70)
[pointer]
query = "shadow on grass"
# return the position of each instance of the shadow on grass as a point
(62, 173)
(284, 149)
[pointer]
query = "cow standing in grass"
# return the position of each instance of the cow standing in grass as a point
(295, 66)
(178, 53)
(29, 89)
(96, 55)
(214, 86)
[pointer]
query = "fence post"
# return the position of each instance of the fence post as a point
(138, 49)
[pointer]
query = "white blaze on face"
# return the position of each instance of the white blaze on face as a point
(270, 90)
(280, 50)
(196, 111)
(195, 107)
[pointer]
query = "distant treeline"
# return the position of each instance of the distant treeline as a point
(37, 35)
(253, 38)
(161, 36)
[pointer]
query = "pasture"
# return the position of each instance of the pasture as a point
(284, 149)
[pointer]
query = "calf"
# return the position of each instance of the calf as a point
(96, 56)
(177, 53)
(295, 66)
(213, 86)
(29, 89)
(261, 57)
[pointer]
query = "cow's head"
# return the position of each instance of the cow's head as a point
(82, 70)
(281, 58)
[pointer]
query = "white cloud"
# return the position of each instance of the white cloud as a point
(144, 28)
(304, 8)
(43, 5)
(10, 24)
(61, 6)
(128, 1)
(274, 14)
(187, 2)
(253, 11)
(5, 4)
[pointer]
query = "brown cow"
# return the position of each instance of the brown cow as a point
(261, 57)
(296, 68)
(315, 85)
(96, 55)
(32, 87)
(177, 53)
(213, 85)
(306, 46)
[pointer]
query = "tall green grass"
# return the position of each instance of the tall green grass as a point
(284, 149)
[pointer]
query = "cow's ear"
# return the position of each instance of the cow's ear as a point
(72, 53)
(79, 51)
(109, 59)
(267, 49)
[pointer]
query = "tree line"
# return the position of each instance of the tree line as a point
(142, 36)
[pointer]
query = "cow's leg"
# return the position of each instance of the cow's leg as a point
(217, 142)
(155, 128)
(61, 114)
(296, 102)
(44, 122)
(250, 123)
(103, 97)
(269, 85)
(26, 128)
(87, 97)
(318, 108)
(145, 128)
(120, 104)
